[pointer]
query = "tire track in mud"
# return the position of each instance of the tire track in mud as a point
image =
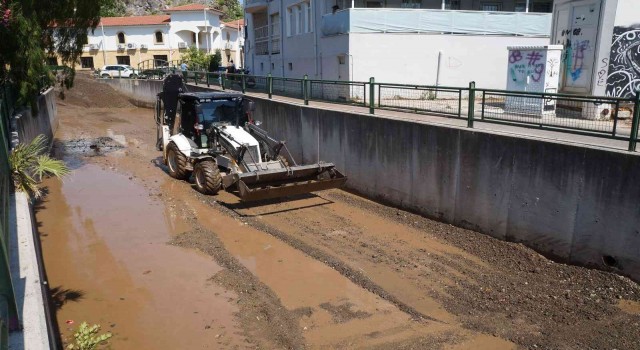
(267, 323)
(353, 275)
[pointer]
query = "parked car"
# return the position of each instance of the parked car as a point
(118, 71)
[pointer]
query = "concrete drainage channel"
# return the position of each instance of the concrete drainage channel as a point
(550, 196)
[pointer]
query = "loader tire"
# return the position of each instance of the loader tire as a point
(177, 163)
(207, 176)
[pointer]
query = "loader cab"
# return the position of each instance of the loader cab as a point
(200, 111)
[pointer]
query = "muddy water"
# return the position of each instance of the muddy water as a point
(104, 243)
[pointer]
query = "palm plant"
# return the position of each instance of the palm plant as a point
(29, 164)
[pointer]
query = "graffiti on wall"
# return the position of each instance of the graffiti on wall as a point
(624, 63)
(524, 65)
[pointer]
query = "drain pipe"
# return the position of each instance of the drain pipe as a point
(438, 71)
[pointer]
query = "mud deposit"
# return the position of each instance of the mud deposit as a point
(163, 267)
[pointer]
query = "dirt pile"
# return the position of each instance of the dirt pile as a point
(89, 93)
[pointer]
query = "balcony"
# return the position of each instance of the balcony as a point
(386, 20)
(252, 6)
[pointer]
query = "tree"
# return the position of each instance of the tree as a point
(196, 59)
(32, 30)
(216, 61)
(113, 8)
(231, 9)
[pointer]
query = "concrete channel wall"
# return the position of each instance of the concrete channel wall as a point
(568, 201)
(25, 259)
(26, 125)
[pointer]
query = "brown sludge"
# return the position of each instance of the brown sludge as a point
(163, 267)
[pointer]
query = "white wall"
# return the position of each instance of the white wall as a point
(133, 34)
(413, 58)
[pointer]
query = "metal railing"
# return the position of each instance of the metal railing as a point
(598, 116)
(8, 314)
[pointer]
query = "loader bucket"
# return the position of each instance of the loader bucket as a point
(273, 183)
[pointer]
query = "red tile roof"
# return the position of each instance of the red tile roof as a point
(235, 24)
(191, 7)
(135, 20)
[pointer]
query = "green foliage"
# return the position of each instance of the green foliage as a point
(113, 8)
(231, 9)
(87, 337)
(196, 59)
(216, 60)
(29, 165)
(27, 30)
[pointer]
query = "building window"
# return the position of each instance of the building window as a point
(342, 59)
(373, 4)
(159, 39)
(491, 6)
(160, 60)
(309, 23)
(261, 66)
(520, 7)
(124, 60)
(291, 23)
(121, 38)
(411, 4)
(545, 7)
(452, 5)
(273, 66)
(193, 38)
(86, 62)
(300, 19)
(52, 61)
(275, 33)
(300, 16)
(290, 66)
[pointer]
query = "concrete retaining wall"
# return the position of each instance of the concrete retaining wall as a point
(567, 201)
(26, 125)
(27, 270)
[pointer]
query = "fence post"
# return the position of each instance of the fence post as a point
(270, 85)
(207, 77)
(372, 91)
(472, 97)
(242, 79)
(633, 138)
(305, 89)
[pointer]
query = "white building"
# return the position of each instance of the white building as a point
(132, 40)
(601, 40)
(448, 43)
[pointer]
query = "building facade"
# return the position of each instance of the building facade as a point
(601, 40)
(133, 40)
(430, 42)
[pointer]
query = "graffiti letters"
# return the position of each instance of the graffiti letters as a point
(574, 58)
(602, 72)
(623, 79)
(515, 56)
(526, 66)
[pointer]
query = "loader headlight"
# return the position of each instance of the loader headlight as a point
(199, 127)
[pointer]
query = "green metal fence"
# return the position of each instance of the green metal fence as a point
(599, 116)
(422, 99)
(8, 314)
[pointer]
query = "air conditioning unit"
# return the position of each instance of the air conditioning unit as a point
(144, 46)
(121, 46)
(93, 47)
(131, 46)
(182, 45)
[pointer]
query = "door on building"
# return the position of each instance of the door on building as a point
(124, 60)
(86, 62)
(160, 60)
(576, 28)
